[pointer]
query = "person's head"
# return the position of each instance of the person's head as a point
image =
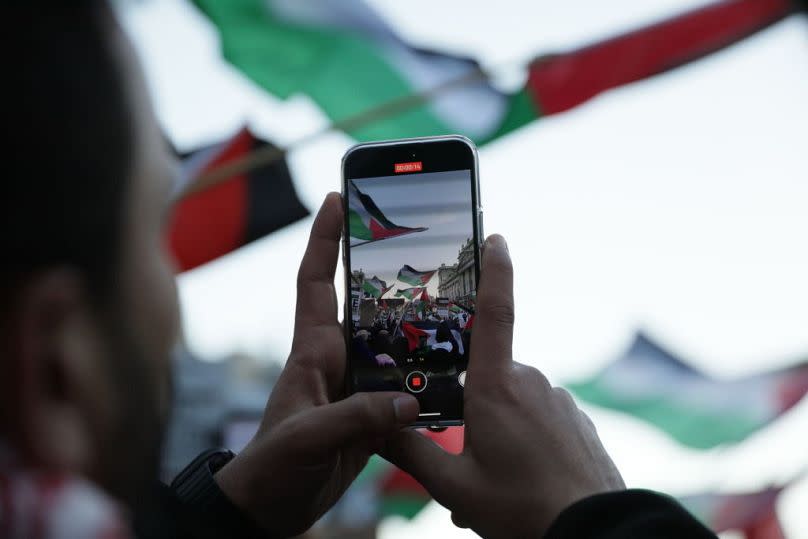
(442, 334)
(88, 309)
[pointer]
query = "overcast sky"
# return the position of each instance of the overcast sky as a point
(677, 204)
(438, 201)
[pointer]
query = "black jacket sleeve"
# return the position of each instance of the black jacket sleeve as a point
(630, 513)
(164, 516)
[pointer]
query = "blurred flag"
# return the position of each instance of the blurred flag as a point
(367, 223)
(400, 493)
(375, 287)
(410, 293)
(407, 274)
(355, 67)
(753, 514)
(215, 221)
(697, 410)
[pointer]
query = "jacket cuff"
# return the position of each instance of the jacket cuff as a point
(628, 513)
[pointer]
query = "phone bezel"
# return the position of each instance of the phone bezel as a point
(375, 159)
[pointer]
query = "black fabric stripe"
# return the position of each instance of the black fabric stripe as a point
(272, 201)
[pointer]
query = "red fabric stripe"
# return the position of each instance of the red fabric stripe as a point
(412, 333)
(792, 388)
(558, 83)
(379, 232)
(469, 322)
(213, 222)
(767, 527)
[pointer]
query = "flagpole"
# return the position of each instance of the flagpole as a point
(398, 324)
(266, 156)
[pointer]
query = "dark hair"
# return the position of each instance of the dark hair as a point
(443, 334)
(69, 150)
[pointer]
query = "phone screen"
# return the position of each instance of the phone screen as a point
(411, 271)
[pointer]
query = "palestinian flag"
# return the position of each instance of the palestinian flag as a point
(696, 409)
(374, 85)
(212, 222)
(410, 293)
(375, 287)
(407, 274)
(400, 493)
(367, 223)
(414, 333)
(753, 514)
(469, 323)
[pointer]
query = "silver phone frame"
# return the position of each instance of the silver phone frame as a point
(477, 215)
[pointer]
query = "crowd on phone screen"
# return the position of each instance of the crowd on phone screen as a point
(385, 342)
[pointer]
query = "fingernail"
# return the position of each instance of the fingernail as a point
(496, 241)
(406, 409)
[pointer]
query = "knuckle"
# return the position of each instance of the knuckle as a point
(302, 277)
(500, 314)
(369, 410)
(562, 395)
(365, 405)
(588, 421)
(532, 376)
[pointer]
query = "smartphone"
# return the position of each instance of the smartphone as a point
(411, 252)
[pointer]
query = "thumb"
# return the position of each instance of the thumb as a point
(362, 416)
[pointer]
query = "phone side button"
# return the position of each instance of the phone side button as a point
(481, 228)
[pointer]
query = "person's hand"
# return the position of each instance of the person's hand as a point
(311, 445)
(529, 452)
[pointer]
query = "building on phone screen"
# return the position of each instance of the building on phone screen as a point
(458, 282)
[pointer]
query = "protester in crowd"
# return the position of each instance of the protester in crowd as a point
(443, 338)
(88, 318)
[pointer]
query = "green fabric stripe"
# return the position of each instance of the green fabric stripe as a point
(357, 228)
(342, 73)
(371, 289)
(692, 427)
(522, 109)
(402, 505)
(373, 470)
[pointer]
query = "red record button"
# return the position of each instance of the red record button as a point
(416, 381)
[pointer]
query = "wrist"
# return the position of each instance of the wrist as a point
(207, 502)
(239, 482)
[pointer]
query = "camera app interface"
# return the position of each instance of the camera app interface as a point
(413, 285)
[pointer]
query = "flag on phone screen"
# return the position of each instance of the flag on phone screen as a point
(367, 223)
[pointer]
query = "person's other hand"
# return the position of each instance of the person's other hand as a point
(529, 452)
(311, 444)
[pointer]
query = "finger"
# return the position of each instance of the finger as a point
(316, 297)
(459, 521)
(362, 417)
(426, 461)
(492, 335)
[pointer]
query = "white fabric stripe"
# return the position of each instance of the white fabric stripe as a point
(641, 377)
(475, 110)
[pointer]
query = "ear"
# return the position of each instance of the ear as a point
(54, 371)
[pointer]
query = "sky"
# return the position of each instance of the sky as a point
(437, 201)
(676, 204)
